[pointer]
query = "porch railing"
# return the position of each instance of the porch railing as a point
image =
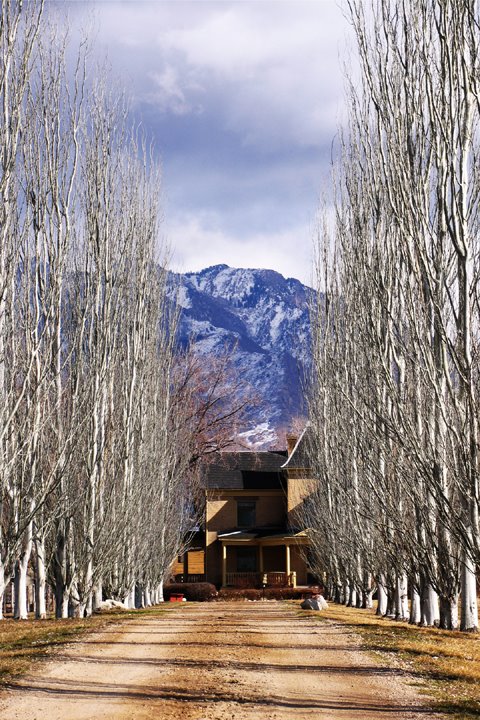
(257, 579)
(277, 579)
(244, 579)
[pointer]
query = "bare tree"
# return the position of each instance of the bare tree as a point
(19, 28)
(395, 341)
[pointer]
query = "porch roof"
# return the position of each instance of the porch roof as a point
(264, 537)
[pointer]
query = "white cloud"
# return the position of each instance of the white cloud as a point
(230, 42)
(270, 68)
(277, 64)
(242, 99)
(169, 95)
(199, 242)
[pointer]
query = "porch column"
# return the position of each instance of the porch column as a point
(224, 565)
(260, 558)
(287, 559)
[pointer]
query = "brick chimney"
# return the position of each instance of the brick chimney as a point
(291, 442)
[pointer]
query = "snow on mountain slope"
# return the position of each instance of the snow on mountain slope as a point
(266, 316)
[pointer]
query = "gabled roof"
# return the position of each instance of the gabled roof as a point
(299, 458)
(246, 471)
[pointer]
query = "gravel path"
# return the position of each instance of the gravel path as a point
(216, 661)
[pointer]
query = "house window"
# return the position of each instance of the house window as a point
(246, 559)
(245, 513)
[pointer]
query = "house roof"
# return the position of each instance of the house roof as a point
(246, 471)
(299, 458)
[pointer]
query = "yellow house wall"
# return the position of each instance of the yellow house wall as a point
(298, 489)
(193, 563)
(222, 508)
(221, 515)
(196, 562)
(213, 559)
(177, 568)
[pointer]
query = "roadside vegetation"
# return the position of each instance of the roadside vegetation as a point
(446, 663)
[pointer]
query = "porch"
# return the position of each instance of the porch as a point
(253, 560)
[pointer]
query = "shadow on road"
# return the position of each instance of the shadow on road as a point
(145, 693)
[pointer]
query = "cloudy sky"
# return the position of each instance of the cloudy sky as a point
(243, 100)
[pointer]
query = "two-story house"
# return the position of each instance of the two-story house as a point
(251, 520)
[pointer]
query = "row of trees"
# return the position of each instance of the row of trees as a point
(102, 419)
(395, 395)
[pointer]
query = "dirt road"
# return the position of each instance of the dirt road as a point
(216, 661)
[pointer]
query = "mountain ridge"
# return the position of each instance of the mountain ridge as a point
(265, 318)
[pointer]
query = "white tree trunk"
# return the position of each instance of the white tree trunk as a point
(2, 587)
(469, 595)
(97, 596)
(147, 600)
(129, 599)
(382, 597)
(415, 606)
(401, 598)
(21, 573)
(367, 591)
(20, 611)
(352, 596)
(40, 580)
(449, 613)
(430, 609)
(368, 599)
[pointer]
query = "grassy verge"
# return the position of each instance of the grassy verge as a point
(22, 643)
(447, 663)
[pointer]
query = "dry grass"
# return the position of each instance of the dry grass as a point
(446, 663)
(22, 643)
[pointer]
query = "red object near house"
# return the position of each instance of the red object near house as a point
(176, 597)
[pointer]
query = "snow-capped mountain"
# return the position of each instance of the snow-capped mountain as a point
(267, 317)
